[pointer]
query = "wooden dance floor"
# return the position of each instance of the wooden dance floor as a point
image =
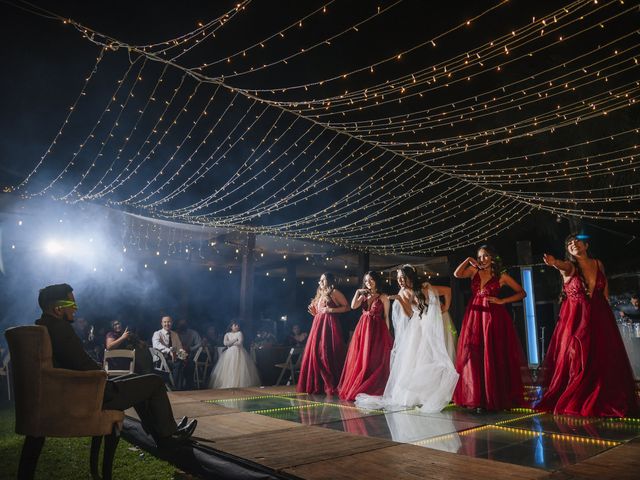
(314, 437)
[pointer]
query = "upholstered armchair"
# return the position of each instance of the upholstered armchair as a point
(54, 402)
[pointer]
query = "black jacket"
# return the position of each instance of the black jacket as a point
(68, 351)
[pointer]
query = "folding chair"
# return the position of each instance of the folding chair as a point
(292, 364)
(161, 367)
(119, 353)
(202, 362)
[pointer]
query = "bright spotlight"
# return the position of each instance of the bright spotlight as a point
(53, 247)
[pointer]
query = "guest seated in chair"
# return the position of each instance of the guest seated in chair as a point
(191, 342)
(167, 342)
(119, 339)
(146, 393)
(297, 338)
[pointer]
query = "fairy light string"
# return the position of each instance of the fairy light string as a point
(379, 212)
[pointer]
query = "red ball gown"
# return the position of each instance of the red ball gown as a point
(366, 369)
(490, 359)
(323, 356)
(586, 371)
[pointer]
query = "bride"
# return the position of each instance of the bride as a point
(421, 371)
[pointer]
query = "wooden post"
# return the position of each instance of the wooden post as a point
(246, 285)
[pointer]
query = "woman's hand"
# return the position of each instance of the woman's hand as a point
(549, 260)
(125, 334)
(496, 300)
(474, 263)
(312, 309)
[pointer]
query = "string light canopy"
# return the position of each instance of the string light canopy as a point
(326, 124)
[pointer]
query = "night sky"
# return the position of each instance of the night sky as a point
(446, 181)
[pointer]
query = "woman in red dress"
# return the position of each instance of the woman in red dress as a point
(367, 366)
(323, 356)
(586, 370)
(489, 358)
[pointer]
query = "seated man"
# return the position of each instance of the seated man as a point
(167, 342)
(146, 393)
(191, 341)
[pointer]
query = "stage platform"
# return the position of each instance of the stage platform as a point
(281, 434)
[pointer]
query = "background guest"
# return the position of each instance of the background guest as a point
(191, 342)
(297, 338)
(168, 343)
(235, 367)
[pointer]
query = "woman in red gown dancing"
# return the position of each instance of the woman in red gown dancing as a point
(586, 371)
(366, 369)
(323, 356)
(489, 358)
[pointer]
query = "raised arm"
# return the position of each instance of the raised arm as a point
(467, 268)
(565, 267)
(112, 343)
(340, 300)
(358, 298)
(513, 285)
(445, 292)
(405, 303)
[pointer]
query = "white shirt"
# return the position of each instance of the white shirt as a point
(160, 341)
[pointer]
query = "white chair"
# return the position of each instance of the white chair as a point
(161, 367)
(202, 363)
(291, 364)
(4, 370)
(119, 353)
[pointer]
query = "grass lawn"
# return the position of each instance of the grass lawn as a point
(68, 458)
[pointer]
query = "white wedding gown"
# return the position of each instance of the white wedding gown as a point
(450, 336)
(422, 372)
(235, 367)
(400, 322)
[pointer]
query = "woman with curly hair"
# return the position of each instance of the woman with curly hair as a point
(324, 353)
(421, 371)
(586, 371)
(489, 358)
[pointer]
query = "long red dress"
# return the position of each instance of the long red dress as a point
(366, 369)
(586, 371)
(490, 359)
(323, 356)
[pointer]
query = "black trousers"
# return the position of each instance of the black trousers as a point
(148, 395)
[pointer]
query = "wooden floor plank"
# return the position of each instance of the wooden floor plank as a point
(273, 390)
(212, 429)
(200, 409)
(285, 448)
(621, 462)
(410, 462)
(202, 395)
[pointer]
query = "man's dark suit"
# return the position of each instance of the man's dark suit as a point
(146, 393)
